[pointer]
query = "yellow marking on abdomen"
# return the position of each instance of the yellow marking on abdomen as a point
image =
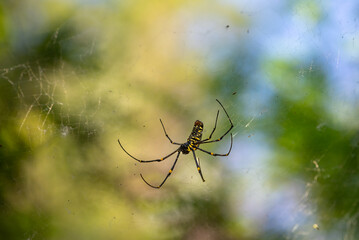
(212, 153)
(198, 168)
(170, 171)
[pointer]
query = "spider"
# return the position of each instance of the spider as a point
(192, 144)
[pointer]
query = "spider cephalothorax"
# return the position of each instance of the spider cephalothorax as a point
(193, 142)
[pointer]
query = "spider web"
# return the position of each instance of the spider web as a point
(43, 97)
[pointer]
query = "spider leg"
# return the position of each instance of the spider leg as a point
(167, 134)
(169, 173)
(219, 139)
(218, 154)
(215, 125)
(147, 161)
(198, 166)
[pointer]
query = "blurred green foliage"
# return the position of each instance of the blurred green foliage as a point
(74, 77)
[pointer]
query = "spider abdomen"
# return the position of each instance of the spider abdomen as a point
(196, 134)
(194, 138)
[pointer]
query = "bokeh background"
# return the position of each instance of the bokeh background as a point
(75, 76)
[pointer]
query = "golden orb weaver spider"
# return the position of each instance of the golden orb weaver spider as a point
(193, 142)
